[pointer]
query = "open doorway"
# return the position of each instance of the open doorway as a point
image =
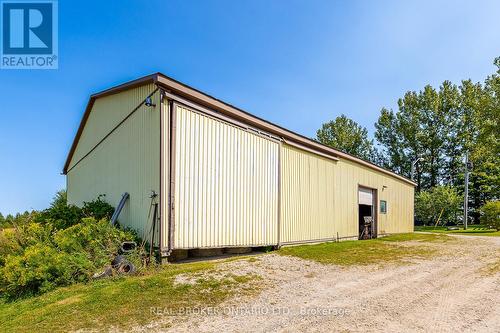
(367, 217)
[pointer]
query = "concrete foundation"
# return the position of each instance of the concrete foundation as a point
(238, 250)
(177, 255)
(205, 252)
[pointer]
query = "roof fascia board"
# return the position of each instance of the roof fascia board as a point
(203, 99)
(196, 96)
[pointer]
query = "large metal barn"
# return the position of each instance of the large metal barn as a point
(221, 177)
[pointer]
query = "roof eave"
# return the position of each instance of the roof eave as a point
(208, 101)
(199, 97)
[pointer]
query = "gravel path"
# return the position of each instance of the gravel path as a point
(451, 293)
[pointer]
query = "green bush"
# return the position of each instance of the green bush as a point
(490, 214)
(99, 240)
(440, 200)
(13, 241)
(62, 215)
(98, 209)
(59, 246)
(15, 220)
(38, 269)
(37, 257)
(9, 244)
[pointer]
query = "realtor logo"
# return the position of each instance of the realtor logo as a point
(29, 35)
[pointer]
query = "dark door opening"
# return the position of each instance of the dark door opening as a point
(365, 225)
(367, 212)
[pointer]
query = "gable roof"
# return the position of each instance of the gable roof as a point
(196, 96)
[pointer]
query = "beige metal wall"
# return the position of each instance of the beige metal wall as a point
(307, 196)
(226, 184)
(319, 197)
(397, 193)
(127, 161)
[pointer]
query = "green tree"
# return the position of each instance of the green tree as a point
(442, 126)
(440, 202)
(484, 143)
(452, 138)
(490, 214)
(9, 221)
(390, 139)
(348, 136)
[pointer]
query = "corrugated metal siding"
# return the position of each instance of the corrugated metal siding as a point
(319, 197)
(398, 194)
(127, 161)
(106, 113)
(307, 197)
(226, 179)
(226, 191)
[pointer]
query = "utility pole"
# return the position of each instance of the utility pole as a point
(466, 192)
(412, 176)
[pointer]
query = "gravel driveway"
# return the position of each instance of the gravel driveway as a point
(454, 292)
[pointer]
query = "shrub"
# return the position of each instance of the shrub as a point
(9, 244)
(38, 269)
(37, 257)
(98, 239)
(59, 246)
(13, 241)
(98, 209)
(440, 200)
(490, 214)
(60, 214)
(19, 219)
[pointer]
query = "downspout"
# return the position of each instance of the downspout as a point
(172, 132)
(280, 147)
(167, 174)
(160, 191)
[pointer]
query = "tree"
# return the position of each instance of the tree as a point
(387, 135)
(490, 214)
(442, 126)
(452, 139)
(9, 221)
(484, 142)
(419, 129)
(2, 220)
(348, 136)
(440, 202)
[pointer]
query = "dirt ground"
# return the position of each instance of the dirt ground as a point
(454, 292)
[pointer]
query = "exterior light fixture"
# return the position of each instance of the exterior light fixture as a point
(149, 102)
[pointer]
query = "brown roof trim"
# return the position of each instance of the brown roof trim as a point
(210, 102)
(199, 97)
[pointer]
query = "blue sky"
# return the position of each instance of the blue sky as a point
(295, 63)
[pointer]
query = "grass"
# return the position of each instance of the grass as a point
(373, 251)
(121, 302)
(473, 230)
